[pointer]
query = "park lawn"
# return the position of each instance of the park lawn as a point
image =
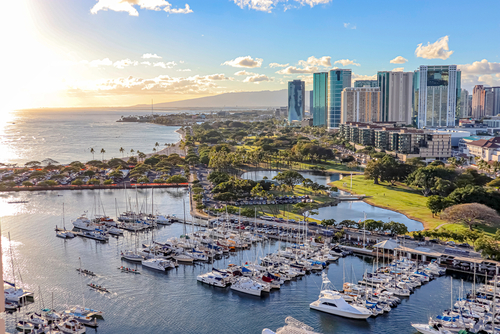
(397, 198)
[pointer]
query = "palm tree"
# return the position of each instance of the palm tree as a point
(102, 152)
(157, 144)
(154, 149)
(121, 151)
(92, 151)
(132, 151)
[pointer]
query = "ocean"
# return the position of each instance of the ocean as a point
(66, 136)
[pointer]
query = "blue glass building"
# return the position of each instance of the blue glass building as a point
(338, 80)
(320, 99)
(296, 100)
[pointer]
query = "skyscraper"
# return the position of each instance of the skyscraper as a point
(383, 84)
(311, 97)
(366, 83)
(437, 91)
(464, 104)
(400, 97)
(496, 100)
(338, 80)
(296, 100)
(360, 104)
(320, 99)
(483, 101)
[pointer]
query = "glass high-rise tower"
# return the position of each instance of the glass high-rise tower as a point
(320, 99)
(338, 80)
(296, 100)
(437, 91)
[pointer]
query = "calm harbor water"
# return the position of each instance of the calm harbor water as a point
(353, 210)
(172, 302)
(66, 136)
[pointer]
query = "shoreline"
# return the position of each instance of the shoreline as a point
(366, 200)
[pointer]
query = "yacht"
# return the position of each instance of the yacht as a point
(98, 235)
(247, 285)
(162, 220)
(71, 326)
(132, 256)
(65, 234)
(183, 258)
(158, 264)
(114, 231)
(14, 294)
(213, 278)
(430, 329)
(331, 301)
(84, 224)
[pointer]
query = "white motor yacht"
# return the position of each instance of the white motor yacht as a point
(185, 258)
(162, 220)
(430, 329)
(83, 223)
(158, 264)
(71, 326)
(247, 285)
(96, 235)
(132, 256)
(114, 231)
(332, 302)
(213, 278)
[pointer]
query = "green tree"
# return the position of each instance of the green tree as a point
(395, 228)
(102, 152)
(328, 222)
(77, 182)
(348, 223)
(108, 181)
(121, 151)
(495, 183)
(176, 179)
(289, 178)
(472, 214)
(374, 170)
(143, 179)
(27, 184)
(488, 247)
(305, 209)
(94, 181)
(93, 152)
(425, 177)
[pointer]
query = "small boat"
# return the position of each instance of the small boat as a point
(98, 287)
(185, 258)
(132, 256)
(18, 202)
(158, 264)
(129, 270)
(96, 235)
(71, 326)
(25, 326)
(248, 286)
(85, 272)
(10, 306)
(50, 315)
(65, 234)
(214, 278)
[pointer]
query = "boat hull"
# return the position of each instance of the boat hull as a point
(340, 313)
(247, 291)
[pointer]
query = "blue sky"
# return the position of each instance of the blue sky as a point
(91, 53)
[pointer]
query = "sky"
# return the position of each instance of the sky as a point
(90, 53)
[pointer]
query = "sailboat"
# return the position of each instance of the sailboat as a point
(65, 233)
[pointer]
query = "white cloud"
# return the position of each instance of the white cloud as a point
(313, 61)
(480, 73)
(480, 67)
(356, 77)
(124, 63)
(308, 79)
(295, 70)
(184, 70)
(162, 64)
(277, 65)
(257, 78)
(244, 73)
(162, 84)
(146, 63)
(399, 60)
(436, 50)
(399, 69)
(244, 62)
(349, 26)
(129, 6)
(269, 5)
(313, 3)
(346, 62)
(150, 55)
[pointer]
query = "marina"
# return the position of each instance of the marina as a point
(173, 284)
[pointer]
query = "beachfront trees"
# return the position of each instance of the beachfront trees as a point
(92, 151)
(176, 179)
(471, 215)
(289, 178)
(121, 151)
(102, 152)
(141, 155)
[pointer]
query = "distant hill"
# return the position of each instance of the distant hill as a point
(266, 98)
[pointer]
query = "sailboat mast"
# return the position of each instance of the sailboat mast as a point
(64, 225)
(12, 260)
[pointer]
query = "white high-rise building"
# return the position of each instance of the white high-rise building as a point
(400, 97)
(437, 91)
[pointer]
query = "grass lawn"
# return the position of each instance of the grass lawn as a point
(285, 210)
(398, 198)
